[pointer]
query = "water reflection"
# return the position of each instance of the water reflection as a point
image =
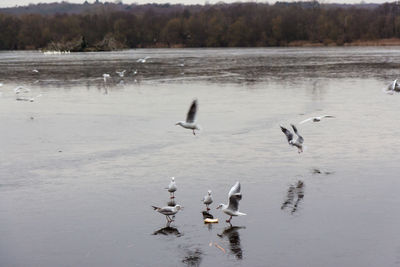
(168, 230)
(232, 233)
(294, 196)
(193, 258)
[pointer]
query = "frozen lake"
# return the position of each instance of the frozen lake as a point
(82, 164)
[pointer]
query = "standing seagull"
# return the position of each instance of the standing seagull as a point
(207, 199)
(167, 211)
(172, 187)
(190, 122)
(298, 142)
(232, 209)
(317, 119)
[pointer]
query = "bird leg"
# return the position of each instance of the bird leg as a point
(169, 220)
(194, 132)
(172, 195)
(207, 207)
(229, 221)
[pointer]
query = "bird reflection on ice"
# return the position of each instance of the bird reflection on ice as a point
(294, 196)
(168, 230)
(232, 233)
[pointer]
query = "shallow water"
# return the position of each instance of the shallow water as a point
(82, 164)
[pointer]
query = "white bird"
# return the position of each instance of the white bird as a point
(121, 73)
(105, 76)
(134, 72)
(316, 119)
(168, 211)
(142, 60)
(299, 140)
(172, 187)
(21, 89)
(190, 122)
(394, 86)
(232, 209)
(35, 71)
(207, 199)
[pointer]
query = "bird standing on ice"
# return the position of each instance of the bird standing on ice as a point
(172, 187)
(168, 211)
(207, 199)
(190, 122)
(299, 140)
(232, 209)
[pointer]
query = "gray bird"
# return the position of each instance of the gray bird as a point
(299, 140)
(172, 187)
(207, 199)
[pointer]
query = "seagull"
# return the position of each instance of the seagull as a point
(167, 211)
(207, 199)
(35, 71)
(232, 209)
(134, 72)
(21, 89)
(317, 119)
(172, 187)
(142, 60)
(121, 73)
(105, 76)
(394, 86)
(190, 122)
(298, 142)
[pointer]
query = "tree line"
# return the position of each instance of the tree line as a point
(220, 25)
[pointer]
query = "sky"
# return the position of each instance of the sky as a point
(11, 3)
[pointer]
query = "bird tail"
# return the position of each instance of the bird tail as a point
(155, 208)
(241, 214)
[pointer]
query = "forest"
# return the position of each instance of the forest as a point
(109, 26)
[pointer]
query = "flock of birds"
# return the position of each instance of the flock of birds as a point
(234, 195)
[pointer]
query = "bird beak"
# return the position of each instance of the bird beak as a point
(218, 207)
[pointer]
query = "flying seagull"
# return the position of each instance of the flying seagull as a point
(106, 76)
(172, 187)
(232, 209)
(299, 140)
(168, 211)
(142, 60)
(317, 119)
(207, 199)
(190, 122)
(121, 73)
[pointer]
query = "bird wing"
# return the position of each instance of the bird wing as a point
(300, 138)
(306, 120)
(288, 134)
(234, 201)
(191, 115)
(234, 197)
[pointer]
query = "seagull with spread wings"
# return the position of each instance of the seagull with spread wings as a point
(190, 122)
(232, 209)
(299, 140)
(317, 119)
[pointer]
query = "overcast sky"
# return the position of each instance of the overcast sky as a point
(10, 3)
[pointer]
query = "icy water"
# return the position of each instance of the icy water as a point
(82, 164)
